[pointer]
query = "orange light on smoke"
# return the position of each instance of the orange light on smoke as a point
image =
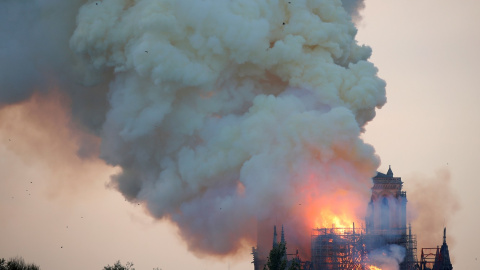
(330, 209)
(327, 219)
(329, 198)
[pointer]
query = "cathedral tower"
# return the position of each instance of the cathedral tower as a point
(387, 210)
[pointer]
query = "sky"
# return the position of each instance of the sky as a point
(425, 50)
(58, 210)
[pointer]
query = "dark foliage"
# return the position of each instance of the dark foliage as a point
(119, 266)
(277, 259)
(295, 265)
(16, 263)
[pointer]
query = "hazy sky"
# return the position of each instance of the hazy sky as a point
(57, 212)
(429, 128)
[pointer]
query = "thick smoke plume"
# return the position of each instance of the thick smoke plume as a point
(433, 204)
(220, 113)
(33, 50)
(388, 258)
(35, 56)
(353, 7)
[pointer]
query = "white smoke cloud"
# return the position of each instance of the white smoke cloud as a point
(388, 258)
(219, 107)
(353, 7)
(218, 112)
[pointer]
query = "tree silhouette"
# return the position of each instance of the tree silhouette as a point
(119, 266)
(16, 263)
(277, 259)
(295, 265)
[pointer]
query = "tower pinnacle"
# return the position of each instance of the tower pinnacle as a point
(445, 235)
(275, 236)
(442, 259)
(389, 173)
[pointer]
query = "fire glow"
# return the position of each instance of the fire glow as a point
(340, 208)
(199, 119)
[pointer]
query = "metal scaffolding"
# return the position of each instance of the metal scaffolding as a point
(338, 248)
(349, 248)
(428, 257)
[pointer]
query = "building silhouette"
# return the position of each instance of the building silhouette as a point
(353, 248)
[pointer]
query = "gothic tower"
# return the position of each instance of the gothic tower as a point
(387, 210)
(442, 258)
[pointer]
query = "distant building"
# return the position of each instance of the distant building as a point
(387, 210)
(350, 248)
(438, 261)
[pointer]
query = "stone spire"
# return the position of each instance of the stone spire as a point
(282, 242)
(275, 236)
(389, 173)
(444, 235)
(442, 259)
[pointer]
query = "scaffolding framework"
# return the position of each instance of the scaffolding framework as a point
(337, 248)
(428, 257)
(349, 248)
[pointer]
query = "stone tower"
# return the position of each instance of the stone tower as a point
(387, 210)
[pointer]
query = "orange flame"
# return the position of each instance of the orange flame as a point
(338, 208)
(373, 267)
(331, 193)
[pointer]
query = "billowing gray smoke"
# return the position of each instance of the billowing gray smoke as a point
(218, 112)
(388, 258)
(32, 46)
(353, 7)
